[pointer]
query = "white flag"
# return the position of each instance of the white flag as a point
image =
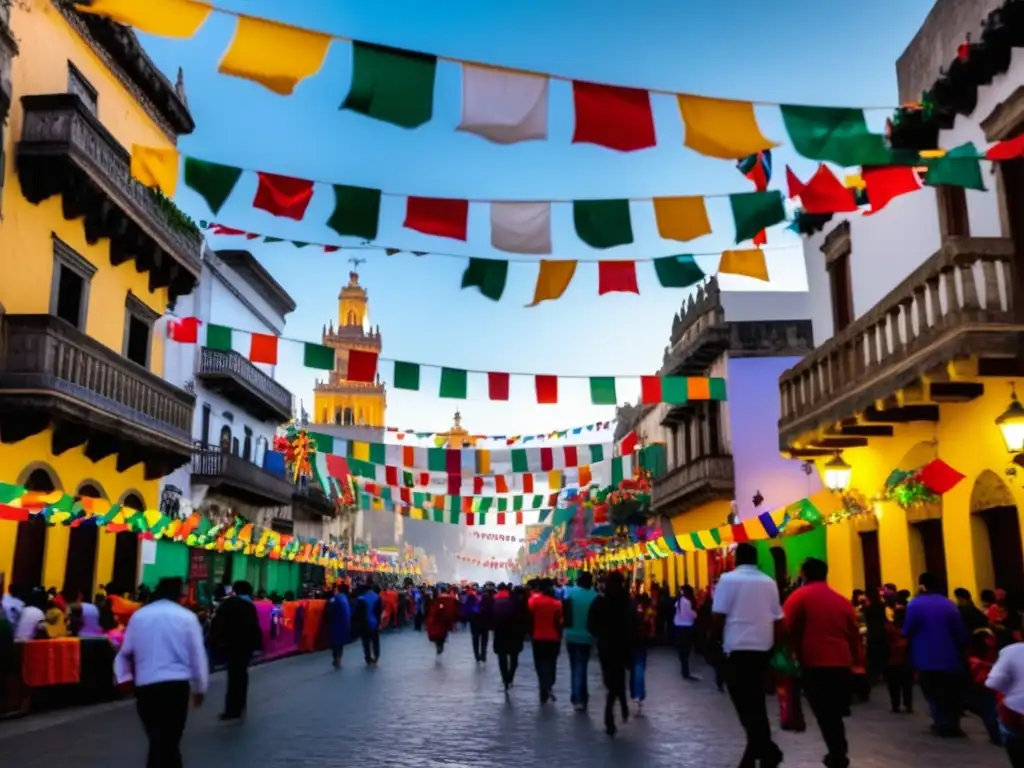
(504, 106)
(521, 227)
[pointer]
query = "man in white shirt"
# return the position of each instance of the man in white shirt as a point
(163, 653)
(1007, 677)
(748, 616)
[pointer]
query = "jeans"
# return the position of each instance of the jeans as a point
(943, 691)
(900, 680)
(480, 637)
(371, 645)
(828, 693)
(163, 709)
(579, 658)
(684, 644)
(508, 663)
(745, 673)
(238, 685)
(637, 673)
(545, 660)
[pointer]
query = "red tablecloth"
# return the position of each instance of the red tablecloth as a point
(51, 662)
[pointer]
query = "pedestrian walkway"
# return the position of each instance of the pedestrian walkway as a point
(415, 711)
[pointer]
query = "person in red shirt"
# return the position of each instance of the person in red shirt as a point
(825, 638)
(546, 612)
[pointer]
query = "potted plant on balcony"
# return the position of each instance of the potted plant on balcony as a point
(630, 502)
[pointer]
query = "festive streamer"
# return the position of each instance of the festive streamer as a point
(452, 517)
(488, 562)
(504, 106)
(499, 537)
(440, 438)
(362, 366)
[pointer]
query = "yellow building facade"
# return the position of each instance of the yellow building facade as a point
(339, 400)
(90, 261)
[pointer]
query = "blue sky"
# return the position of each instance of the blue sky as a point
(799, 51)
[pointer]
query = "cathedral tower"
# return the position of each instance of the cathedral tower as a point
(338, 400)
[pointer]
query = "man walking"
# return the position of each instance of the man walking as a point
(339, 616)
(938, 637)
(372, 609)
(163, 654)
(747, 615)
(825, 638)
(480, 622)
(578, 640)
(546, 612)
(235, 633)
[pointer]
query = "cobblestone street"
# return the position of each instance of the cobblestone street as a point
(415, 712)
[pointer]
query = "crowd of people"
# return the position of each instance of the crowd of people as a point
(805, 642)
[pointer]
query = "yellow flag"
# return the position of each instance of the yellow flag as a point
(360, 451)
(721, 128)
(483, 461)
(163, 18)
(274, 55)
(681, 218)
(552, 280)
(156, 167)
(555, 479)
(749, 263)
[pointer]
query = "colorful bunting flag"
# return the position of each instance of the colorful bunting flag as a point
(521, 227)
(504, 106)
(603, 223)
(681, 218)
(443, 217)
(392, 85)
(612, 116)
(274, 55)
(721, 128)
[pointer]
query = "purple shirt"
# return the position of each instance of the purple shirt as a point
(936, 632)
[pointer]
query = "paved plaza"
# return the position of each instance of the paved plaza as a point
(413, 711)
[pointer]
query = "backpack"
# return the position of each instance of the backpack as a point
(505, 611)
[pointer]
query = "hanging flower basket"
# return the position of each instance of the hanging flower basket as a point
(908, 490)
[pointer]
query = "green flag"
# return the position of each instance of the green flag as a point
(318, 356)
(407, 376)
(837, 135)
(454, 383)
(489, 275)
(218, 337)
(960, 167)
(213, 182)
(603, 223)
(602, 390)
(678, 271)
(356, 211)
(753, 212)
(392, 85)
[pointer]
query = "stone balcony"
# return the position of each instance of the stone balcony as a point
(955, 307)
(240, 478)
(53, 375)
(65, 150)
(312, 500)
(241, 382)
(706, 478)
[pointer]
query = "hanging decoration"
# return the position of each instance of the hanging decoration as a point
(362, 366)
(921, 486)
(440, 438)
(488, 562)
(758, 168)
(511, 538)
(505, 106)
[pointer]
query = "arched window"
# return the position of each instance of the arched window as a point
(40, 480)
(337, 416)
(225, 438)
(132, 500)
(90, 490)
(247, 447)
(349, 418)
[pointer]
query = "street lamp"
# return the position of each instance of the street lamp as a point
(837, 474)
(1011, 424)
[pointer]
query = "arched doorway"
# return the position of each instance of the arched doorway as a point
(995, 537)
(126, 551)
(80, 568)
(924, 521)
(30, 541)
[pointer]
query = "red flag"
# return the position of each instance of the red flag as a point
(824, 193)
(612, 116)
(547, 389)
(1006, 150)
(616, 277)
(793, 182)
(628, 444)
(263, 349)
(185, 330)
(443, 217)
(887, 182)
(497, 386)
(283, 195)
(650, 389)
(362, 366)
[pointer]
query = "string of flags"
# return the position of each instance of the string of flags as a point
(441, 438)
(502, 105)
(377, 503)
(488, 562)
(363, 366)
(517, 226)
(554, 276)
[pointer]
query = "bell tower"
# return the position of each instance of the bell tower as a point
(340, 401)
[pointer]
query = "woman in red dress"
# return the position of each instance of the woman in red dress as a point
(441, 616)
